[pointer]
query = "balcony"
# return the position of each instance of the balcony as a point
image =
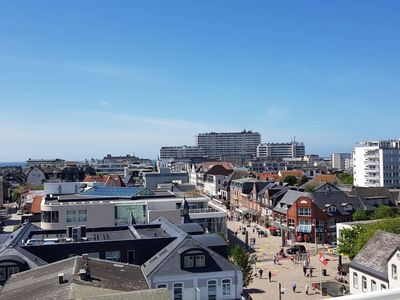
(209, 212)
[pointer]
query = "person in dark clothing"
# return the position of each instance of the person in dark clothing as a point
(304, 271)
(269, 275)
(260, 272)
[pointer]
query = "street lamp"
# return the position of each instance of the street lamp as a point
(314, 224)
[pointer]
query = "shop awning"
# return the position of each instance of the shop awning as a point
(304, 228)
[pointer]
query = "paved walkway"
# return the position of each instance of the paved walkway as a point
(285, 272)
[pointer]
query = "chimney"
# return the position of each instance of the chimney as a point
(60, 278)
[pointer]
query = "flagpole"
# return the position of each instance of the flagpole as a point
(320, 279)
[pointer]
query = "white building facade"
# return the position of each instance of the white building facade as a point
(229, 146)
(377, 163)
(181, 152)
(280, 150)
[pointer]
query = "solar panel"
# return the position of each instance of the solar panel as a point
(123, 192)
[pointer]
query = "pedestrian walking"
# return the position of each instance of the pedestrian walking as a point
(306, 288)
(294, 286)
(274, 259)
(260, 272)
(304, 271)
(310, 272)
(277, 260)
(269, 275)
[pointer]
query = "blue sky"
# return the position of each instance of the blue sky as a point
(81, 79)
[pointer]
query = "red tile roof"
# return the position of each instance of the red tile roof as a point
(35, 208)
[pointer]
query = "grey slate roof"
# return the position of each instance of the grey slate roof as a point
(42, 283)
(373, 257)
(321, 199)
(168, 262)
(11, 246)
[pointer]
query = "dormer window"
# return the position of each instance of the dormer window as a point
(193, 258)
(331, 208)
(188, 261)
(200, 260)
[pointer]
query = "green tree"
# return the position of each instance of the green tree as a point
(240, 257)
(347, 240)
(383, 212)
(16, 197)
(302, 180)
(346, 178)
(360, 215)
(290, 179)
(352, 240)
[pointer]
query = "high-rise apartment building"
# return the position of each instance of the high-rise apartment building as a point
(377, 163)
(181, 152)
(237, 147)
(339, 160)
(280, 150)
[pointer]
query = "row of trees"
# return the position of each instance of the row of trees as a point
(381, 212)
(353, 239)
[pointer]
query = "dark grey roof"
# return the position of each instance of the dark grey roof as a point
(11, 246)
(373, 257)
(322, 199)
(191, 228)
(210, 240)
(168, 262)
(42, 283)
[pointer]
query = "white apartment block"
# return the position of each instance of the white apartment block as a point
(280, 150)
(339, 160)
(181, 152)
(377, 163)
(229, 146)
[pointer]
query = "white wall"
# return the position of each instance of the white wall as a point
(395, 259)
(359, 290)
(59, 188)
(35, 177)
(190, 284)
(98, 215)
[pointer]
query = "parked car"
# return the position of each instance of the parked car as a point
(296, 248)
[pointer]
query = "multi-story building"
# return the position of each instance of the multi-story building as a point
(339, 160)
(116, 164)
(377, 163)
(181, 152)
(237, 147)
(103, 206)
(280, 150)
(57, 163)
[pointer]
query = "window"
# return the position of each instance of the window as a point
(304, 211)
(113, 255)
(226, 287)
(2, 274)
(355, 280)
(54, 217)
(188, 261)
(178, 288)
(364, 283)
(71, 216)
(332, 208)
(94, 255)
(212, 290)
(200, 260)
(373, 285)
(383, 287)
(12, 270)
(291, 222)
(161, 285)
(394, 271)
(82, 215)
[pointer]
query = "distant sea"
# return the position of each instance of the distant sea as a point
(13, 164)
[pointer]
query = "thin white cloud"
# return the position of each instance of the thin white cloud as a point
(104, 104)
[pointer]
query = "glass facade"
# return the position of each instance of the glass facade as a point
(128, 214)
(213, 225)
